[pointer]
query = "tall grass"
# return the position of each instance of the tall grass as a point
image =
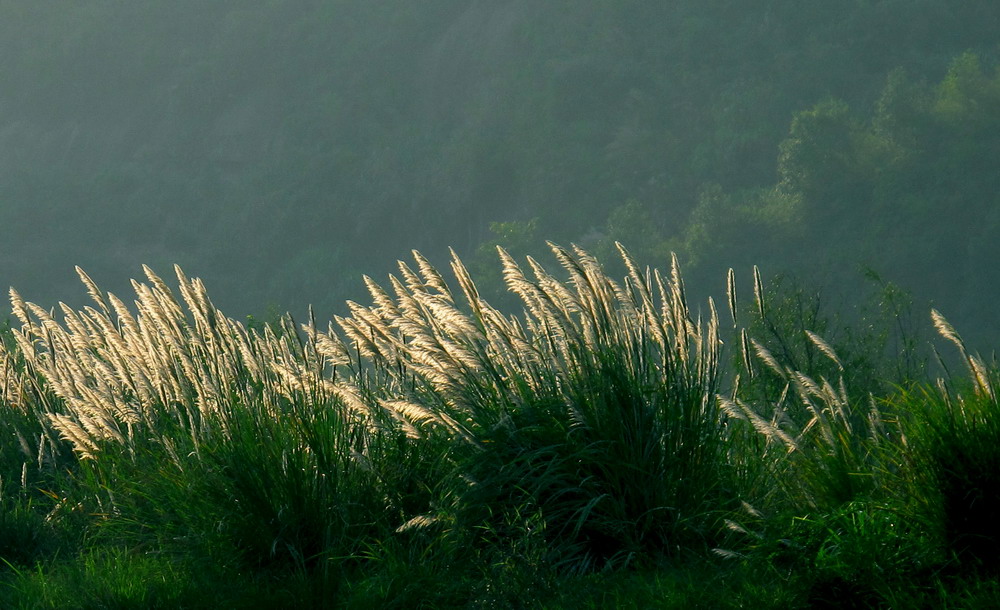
(866, 489)
(207, 434)
(596, 428)
(953, 436)
(590, 418)
(823, 439)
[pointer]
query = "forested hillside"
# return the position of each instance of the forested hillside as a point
(279, 149)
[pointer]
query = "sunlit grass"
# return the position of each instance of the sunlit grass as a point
(590, 420)
(431, 449)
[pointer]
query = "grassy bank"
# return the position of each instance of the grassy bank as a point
(608, 446)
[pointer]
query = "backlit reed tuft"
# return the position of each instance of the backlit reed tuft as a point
(445, 349)
(594, 406)
(117, 370)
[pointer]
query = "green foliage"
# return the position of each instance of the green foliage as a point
(953, 433)
(891, 189)
(749, 222)
(967, 92)
(303, 487)
(876, 342)
(632, 222)
(445, 453)
(826, 482)
(435, 451)
(594, 414)
(512, 236)
(819, 152)
(345, 134)
(111, 577)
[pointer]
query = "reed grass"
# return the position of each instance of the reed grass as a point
(952, 433)
(593, 411)
(187, 424)
(429, 436)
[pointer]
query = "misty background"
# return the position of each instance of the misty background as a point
(280, 149)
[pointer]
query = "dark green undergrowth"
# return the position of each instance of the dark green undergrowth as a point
(593, 452)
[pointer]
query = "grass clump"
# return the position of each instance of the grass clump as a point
(590, 420)
(953, 431)
(195, 434)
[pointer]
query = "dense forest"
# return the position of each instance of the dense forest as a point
(280, 149)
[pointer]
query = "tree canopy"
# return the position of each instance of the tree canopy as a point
(280, 148)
